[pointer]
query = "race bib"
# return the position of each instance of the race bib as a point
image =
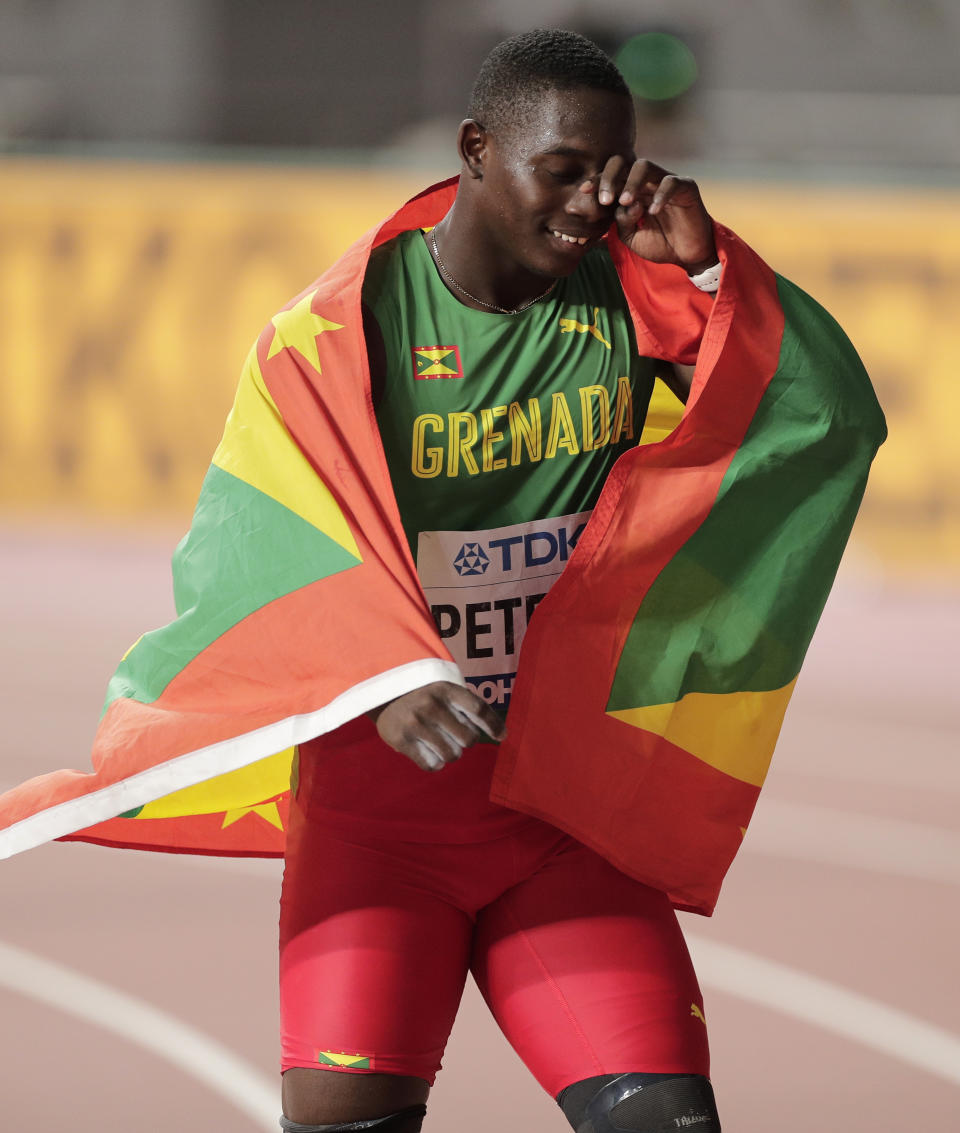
(483, 587)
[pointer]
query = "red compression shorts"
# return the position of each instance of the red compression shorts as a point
(584, 969)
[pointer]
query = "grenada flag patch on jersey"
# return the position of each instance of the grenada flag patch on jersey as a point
(436, 362)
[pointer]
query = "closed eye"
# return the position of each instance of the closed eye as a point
(565, 176)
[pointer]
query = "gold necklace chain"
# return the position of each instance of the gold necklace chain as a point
(444, 271)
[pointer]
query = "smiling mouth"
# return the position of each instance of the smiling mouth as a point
(568, 239)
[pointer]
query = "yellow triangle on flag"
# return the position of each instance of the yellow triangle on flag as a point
(734, 732)
(235, 791)
(663, 414)
(257, 448)
(435, 355)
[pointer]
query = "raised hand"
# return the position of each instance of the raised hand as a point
(660, 216)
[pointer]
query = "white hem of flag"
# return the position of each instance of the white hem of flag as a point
(219, 758)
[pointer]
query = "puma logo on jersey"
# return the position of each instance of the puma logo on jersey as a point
(697, 1013)
(436, 362)
(570, 326)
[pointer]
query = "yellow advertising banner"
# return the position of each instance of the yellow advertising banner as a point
(130, 294)
(885, 261)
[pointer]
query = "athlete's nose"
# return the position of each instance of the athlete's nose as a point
(584, 202)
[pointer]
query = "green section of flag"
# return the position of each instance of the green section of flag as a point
(244, 549)
(735, 609)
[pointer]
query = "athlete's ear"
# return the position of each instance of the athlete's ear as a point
(472, 146)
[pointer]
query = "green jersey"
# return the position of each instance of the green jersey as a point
(499, 432)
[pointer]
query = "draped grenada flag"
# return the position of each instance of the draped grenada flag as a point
(654, 676)
(707, 561)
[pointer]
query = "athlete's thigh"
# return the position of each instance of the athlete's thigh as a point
(372, 961)
(587, 973)
(324, 1097)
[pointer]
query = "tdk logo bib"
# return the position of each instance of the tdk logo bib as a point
(471, 559)
(535, 548)
(483, 588)
(516, 554)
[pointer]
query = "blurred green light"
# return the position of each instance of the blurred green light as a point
(656, 65)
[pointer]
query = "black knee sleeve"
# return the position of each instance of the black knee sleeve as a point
(407, 1120)
(645, 1103)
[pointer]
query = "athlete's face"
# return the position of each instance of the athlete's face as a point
(540, 179)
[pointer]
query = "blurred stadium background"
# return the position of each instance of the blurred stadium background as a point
(171, 174)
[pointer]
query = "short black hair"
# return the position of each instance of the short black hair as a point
(529, 64)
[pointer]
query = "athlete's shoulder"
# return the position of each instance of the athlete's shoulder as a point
(385, 264)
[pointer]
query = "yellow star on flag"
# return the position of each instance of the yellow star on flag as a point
(267, 811)
(298, 328)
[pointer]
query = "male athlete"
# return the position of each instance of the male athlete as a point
(509, 313)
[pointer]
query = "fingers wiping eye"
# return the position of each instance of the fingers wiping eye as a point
(612, 179)
(665, 190)
(642, 182)
(675, 190)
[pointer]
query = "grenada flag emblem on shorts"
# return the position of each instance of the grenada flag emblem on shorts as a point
(343, 1061)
